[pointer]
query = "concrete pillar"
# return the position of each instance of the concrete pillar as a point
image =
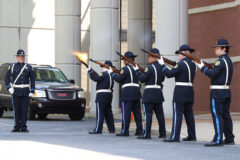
(104, 40)
(171, 32)
(68, 37)
(139, 28)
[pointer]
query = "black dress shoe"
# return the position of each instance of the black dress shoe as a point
(144, 137)
(213, 144)
(162, 136)
(122, 135)
(189, 139)
(93, 132)
(138, 134)
(15, 130)
(171, 140)
(25, 130)
(111, 132)
(228, 142)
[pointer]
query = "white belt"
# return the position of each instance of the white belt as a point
(130, 85)
(219, 87)
(104, 91)
(153, 86)
(21, 86)
(183, 84)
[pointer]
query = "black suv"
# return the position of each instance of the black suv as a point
(54, 94)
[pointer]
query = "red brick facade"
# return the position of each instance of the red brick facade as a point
(204, 30)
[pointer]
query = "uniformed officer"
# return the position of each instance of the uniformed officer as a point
(20, 82)
(103, 100)
(152, 96)
(220, 94)
(130, 96)
(183, 98)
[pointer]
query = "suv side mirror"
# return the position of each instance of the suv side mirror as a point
(72, 81)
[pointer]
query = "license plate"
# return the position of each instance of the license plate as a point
(62, 94)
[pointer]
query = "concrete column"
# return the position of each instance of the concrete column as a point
(104, 40)
(68, 37)
(171, 32)
(139, 28)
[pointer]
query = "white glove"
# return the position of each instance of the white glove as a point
(200, 65)
(110, 70)
(30, 95)
(11, 90)
(160, 61)
(136, 67)
(89, 67)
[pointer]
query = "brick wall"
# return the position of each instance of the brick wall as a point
(204, 30)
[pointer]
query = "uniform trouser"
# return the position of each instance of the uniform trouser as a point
(180, 109)
(127, 108)
(104, 110)
(148, 111)
(20, 106)
(222, 119)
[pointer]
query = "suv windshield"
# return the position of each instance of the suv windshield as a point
(49, 75)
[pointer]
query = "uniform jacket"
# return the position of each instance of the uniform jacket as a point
(27, 77)
(181, 74)
(152, 76)
(221, 74)
(104, 81)
(128, 75)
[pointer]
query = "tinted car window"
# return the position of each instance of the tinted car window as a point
(49, 75)
(3, 72)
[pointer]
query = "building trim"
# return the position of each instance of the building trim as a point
(215, 7)
(213, 60)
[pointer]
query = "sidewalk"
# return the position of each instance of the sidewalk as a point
(204, 126)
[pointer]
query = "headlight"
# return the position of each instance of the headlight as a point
(80, 94)
(39, 93)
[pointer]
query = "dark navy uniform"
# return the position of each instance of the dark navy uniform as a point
(153, 97)
(183, 98)
(103, 100)
(24, 85)
(130, 97)
(220, 98)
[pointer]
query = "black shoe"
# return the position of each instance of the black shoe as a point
(162, 136)
(171, 140)
(213, 144)
(25, 130)
(144, 137)
(228, 142)
(93, 132)
(111, 132)
(138, 134)
(15, 130)
(122, 135)
(189, 139)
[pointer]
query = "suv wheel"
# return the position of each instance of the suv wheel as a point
(1, 112)
(31, 114)
(76, 117)
(42, 115)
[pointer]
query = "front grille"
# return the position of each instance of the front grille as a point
(61, 95)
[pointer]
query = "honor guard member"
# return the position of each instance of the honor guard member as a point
(152, 96)
(103, 100)
(20, 82)
(183, 98)
(130, 96)
(220, 94)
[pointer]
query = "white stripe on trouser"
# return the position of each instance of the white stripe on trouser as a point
(98, 117)
(145, 117)
(123, 129)
(13, 112)
(217, 121)
(175, 120)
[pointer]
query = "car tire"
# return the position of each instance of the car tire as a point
(31, 114)
(1, 112)
(76, 117)
(42, 115)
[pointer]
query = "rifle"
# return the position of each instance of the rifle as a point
(168, 61)
(106, 66)
(210, 66)
(130, 61)
(78, 55)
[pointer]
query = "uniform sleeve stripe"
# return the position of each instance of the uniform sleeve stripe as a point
(164, 69)
(205, 70)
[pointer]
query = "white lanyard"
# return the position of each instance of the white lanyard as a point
(189, 71)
